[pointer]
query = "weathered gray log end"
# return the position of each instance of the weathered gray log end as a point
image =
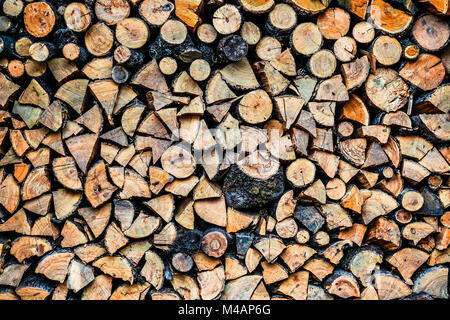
(243, 191)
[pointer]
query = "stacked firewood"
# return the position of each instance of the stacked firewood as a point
(211, 149)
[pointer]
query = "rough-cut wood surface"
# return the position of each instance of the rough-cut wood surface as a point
(250, 149)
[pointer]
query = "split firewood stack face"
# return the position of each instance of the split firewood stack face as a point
(211, 149)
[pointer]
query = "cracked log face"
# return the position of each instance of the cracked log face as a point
(387, 90)
(249, 149)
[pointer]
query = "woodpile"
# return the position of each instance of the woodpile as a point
(192, 149)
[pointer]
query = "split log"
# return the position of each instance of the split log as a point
(308, 6)
(211, 283)
(34, 287)
(343, 284)
(272, 79)
(295, 286)
(433, 281)
(218, 216)
(17, 223)
(153, 269)
(384, 233)
(407, 261)
(10, 194)
(427, 72)
(241, 288)
(386, 90)
(390, 286)
(97, 188)
(269, 247)
(116, 267)
(389, 19)
(99, 289)
(257, 8)
(26, 247)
